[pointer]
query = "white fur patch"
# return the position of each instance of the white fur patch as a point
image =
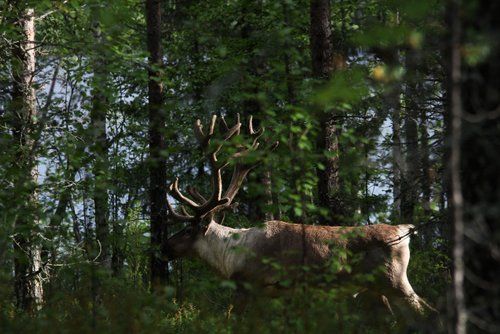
(226, 248)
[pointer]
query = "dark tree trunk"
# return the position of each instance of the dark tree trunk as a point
(321, 39)
(27, 250)
(157, 147)
(325, 61)
(328, 178)
(253, 107)
(459, 324)
(99, 144)
(475, 163)
(290, 85)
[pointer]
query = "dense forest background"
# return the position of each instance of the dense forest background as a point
(386, 112)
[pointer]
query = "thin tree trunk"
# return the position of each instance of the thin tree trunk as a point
(398, 163)
(275, 198)
(180, 282)
(99, 142)
(56, 228)
(392, 57)
(290, 86)
(27, 250)
(118, 257)
(117, 241)
(460, 312)
(268, 197)
(324, 62)
(157, 146)
(410, 189)
(425, 176)
(425, 163)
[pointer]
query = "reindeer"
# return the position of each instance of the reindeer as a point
(238, 253)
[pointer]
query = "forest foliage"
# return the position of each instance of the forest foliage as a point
(76, 174)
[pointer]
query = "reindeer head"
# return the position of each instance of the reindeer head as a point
(181, 244)
(197, 211)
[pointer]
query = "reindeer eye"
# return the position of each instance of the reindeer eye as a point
(189, 230)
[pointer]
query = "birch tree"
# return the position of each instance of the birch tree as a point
(23, 112)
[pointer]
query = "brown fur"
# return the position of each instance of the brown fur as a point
(278, 252)
(364, 249)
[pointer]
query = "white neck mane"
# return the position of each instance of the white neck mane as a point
(225, 248)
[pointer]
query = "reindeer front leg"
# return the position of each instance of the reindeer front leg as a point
(378, 307)
(412, 308)
(240, 299)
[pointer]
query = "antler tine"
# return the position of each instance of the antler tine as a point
(257, 136)
(239, 174)
(213, 121)
(228, 132)
(273, 146)
(176, 193)
(215, 199)
(203, 138)
(184, 212)
(250, 125)
(196, 194)
(235, 130)
(198, 131)
(213, 206)
(211, 152)
(238, 119)
(217, 189)
(241, 170)
(251, 128)
(223, 125)
(253, 147)
(202, 207)
(183, 218)
(218, 183)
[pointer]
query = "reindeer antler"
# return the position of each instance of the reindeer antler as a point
(198, 204)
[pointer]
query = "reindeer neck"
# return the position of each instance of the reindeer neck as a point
(217, 245)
